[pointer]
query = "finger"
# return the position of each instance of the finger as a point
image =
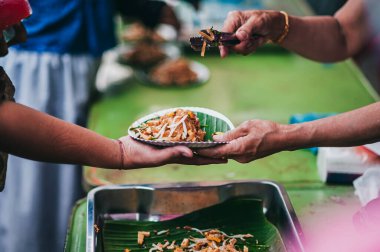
(223, 51)
(231, 135)
(215, 152)
(233, 148)
(246, 47)
(243, 158)
(232, 22)
(197, 160)
(223, 151)
(170, 155)
(253, 25)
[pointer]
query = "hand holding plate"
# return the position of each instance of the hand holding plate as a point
(139, 155)
(251, 140)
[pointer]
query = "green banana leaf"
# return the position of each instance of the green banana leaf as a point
(211, 124)
(236, 216)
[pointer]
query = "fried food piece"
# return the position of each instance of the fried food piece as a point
(141, 236)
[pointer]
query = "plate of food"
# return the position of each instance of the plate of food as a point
(145, 55)
(178, 72)
(190, 126)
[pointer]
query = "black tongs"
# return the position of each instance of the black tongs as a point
(214, 38)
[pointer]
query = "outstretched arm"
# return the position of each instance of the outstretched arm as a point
(258, 138)
(31, 134)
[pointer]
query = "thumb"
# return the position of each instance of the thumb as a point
(172, 153)
(246, 30)
(229, 135)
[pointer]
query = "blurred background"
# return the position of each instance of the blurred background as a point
(104, 64)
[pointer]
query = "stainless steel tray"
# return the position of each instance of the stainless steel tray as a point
(150, 202)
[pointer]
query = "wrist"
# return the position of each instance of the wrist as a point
(122, 154)
(279, 26)
(297, 136)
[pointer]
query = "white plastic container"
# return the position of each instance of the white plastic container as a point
(342, 165)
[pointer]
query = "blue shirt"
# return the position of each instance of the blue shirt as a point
(70, 26)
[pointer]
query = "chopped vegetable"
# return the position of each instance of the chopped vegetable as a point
(211, 240)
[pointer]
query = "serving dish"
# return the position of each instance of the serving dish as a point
(201, 71)
(162, 201)
(210, 121)
(168, 51)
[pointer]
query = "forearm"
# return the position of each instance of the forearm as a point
(352, 128)
(31, 134)
(317, 38)
(327, 38)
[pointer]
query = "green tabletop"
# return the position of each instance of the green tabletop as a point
(270, 85)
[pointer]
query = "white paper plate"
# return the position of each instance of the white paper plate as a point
(170, 50)
(215, 121)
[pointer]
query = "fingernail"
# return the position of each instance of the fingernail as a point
(243, 35)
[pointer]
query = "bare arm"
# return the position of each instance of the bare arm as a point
(257, 138)
(356, 127)
(323, 38)
(31, 134)
(330, 39)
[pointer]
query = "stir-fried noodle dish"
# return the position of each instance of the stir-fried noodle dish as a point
(177, 126)
(173, 72)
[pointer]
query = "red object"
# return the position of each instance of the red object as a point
(13, 11)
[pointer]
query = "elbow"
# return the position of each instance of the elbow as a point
(341, 51)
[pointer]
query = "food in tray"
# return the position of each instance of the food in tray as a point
(144, 55)
(177, 126)
(141, 236)
(208, 240)
(173, 72)
(138, 32)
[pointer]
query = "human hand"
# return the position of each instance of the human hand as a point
(268, 24)
(20, 36)
(139, 155)
(252, 140)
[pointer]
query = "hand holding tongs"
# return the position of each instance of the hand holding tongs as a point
(213, 38)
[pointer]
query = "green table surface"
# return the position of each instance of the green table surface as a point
(268, 85)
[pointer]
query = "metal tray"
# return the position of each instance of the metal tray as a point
(156, 202)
